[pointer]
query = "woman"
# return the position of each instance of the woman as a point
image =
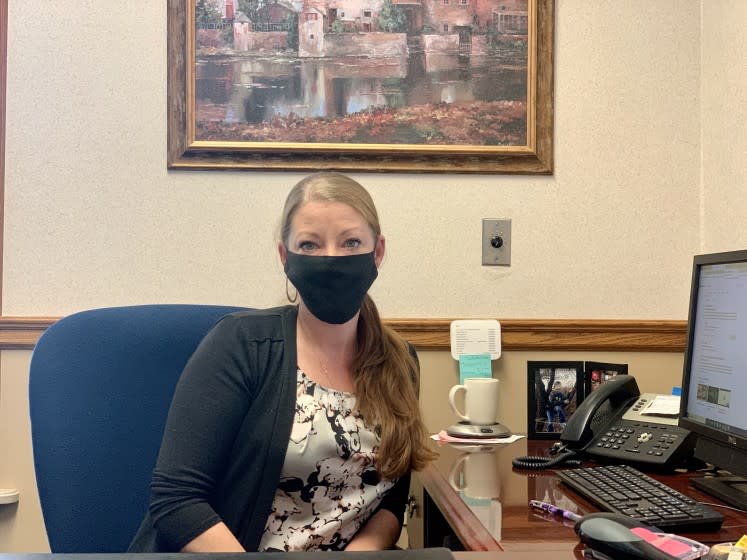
(296, 428)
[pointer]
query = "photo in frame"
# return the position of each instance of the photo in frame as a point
(554, 390)
(463, 86)
(596, 373)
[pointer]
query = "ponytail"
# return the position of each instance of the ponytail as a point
(386, 378)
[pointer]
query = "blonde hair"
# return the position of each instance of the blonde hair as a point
(385, 372)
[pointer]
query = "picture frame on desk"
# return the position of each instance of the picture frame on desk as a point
(596, 373)
(436, 87)
(554, 391)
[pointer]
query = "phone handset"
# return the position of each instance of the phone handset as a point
(609, 400)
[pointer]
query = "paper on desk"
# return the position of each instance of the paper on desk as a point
(443, 436)
(663, 405)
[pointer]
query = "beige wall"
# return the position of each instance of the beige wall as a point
(724, 125)
(650, 141)
(21, 524)
(93, 217)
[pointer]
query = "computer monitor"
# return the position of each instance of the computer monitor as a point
(714, 380)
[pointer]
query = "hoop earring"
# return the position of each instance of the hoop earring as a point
(287, 292)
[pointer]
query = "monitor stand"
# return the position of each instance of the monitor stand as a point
(729, 489)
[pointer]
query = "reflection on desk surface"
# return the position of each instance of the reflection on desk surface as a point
(484, 501)
(497, 495)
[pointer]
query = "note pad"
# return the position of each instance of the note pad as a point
(474, 337)
(664, 405)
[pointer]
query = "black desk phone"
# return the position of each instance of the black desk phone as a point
(609, 426)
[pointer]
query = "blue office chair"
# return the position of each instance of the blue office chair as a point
(100, 385)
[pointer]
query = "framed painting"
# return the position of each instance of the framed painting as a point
(597, 373)
(460, 86)
(554, 390)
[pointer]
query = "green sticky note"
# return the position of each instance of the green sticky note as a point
(474, 365)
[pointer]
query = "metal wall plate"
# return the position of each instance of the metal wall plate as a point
(496, 242)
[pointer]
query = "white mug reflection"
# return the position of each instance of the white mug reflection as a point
(475, 476)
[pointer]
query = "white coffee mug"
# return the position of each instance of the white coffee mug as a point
(480, 400)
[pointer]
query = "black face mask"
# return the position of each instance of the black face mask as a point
(332, 288)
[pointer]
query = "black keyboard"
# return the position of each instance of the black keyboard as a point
(623, 489)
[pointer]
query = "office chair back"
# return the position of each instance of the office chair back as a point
(100, 385)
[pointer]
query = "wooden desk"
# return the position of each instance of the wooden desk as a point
(493, 514)
(424, 554)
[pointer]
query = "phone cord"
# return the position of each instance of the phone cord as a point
(536, 463)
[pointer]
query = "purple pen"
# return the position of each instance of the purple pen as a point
(549, 508)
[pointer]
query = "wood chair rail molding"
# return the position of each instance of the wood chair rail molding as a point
(559, 334)
(21, 333)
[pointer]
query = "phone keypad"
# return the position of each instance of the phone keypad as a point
(644, 442)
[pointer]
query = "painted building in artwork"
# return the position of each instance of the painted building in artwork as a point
(316, 37)
(311, 26)
(509, 17)
(475, 16)
(355, 15)
(225, 7)
(347, 15)
(275, 13)
(423, 16)
(446, 26)
(435, 17)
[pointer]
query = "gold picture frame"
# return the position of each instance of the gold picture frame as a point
(188, 148)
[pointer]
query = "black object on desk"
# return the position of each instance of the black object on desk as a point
(617, 536)
(466, 430)
(609, 425)
(625, 490)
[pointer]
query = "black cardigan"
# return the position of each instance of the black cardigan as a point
(227, 433)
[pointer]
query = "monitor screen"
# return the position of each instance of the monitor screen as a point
(714, 382)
